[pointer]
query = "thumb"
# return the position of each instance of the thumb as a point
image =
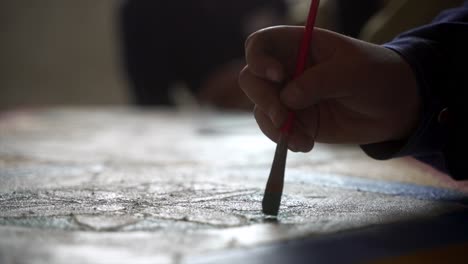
(317, 83)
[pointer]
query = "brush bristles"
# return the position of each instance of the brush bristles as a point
(271, 203)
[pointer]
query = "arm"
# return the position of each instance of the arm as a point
(438, 55)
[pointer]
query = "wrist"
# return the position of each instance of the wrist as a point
(409, 106)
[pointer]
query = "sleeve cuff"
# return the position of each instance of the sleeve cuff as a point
(430, 136)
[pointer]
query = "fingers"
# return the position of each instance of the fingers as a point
(264, 94)
(270, 57)
(325, 78)
(298, 141)
(314, 85)
(261, 63)
(305, 130)
(265, 124)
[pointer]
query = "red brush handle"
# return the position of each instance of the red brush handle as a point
(302, 57)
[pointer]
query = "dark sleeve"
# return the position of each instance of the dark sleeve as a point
(438, 56)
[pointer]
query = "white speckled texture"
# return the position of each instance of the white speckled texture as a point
(132, 186)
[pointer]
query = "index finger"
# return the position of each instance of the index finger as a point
(260, 63)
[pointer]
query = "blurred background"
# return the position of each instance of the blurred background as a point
(56, 52)
(88, 52)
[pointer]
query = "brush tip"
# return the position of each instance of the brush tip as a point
(271, 203)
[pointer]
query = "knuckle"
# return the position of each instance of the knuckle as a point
(244, 78)
(242, 75)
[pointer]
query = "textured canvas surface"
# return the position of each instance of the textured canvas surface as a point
(125, 185)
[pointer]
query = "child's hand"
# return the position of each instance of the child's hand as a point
(365, 93)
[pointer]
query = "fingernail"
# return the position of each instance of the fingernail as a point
(292, 147)
(273, 75)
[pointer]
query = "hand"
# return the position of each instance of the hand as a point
(361, 93)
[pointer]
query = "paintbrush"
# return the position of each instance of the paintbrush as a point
(274, 187)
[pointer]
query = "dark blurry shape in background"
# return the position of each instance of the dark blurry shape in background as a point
(197, 42)
(59, 52)
(88, 52)
(351, 16)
